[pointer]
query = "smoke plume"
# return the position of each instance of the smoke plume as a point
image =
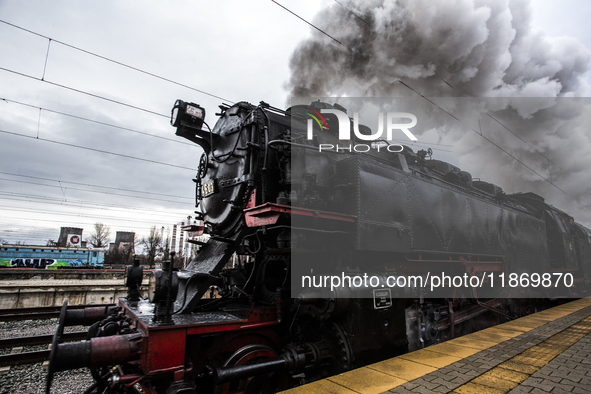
(467, 48)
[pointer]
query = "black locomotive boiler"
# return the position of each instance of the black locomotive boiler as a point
(281, 213)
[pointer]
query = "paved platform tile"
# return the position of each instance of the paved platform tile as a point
(507, 374)
(320, 386)
(542, 353)
(367, 381)
(528, 367)
(534, 362)
(526, 323)
(514, 327)
(453, 349)
(432, 359)
(474, 388)
(473, 342)
(506, 331)
(490, 337)
(401, 368)
(495, 381)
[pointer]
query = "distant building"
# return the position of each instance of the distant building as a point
(71, 237)
(124, 241)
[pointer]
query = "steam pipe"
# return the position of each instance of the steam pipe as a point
(88, 316)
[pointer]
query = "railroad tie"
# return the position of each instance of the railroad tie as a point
(45, 363)
(14, 350)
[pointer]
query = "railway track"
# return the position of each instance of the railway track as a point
(46, 312)
(16, 355)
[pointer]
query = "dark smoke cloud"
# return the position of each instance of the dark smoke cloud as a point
(466, 48)
(480, 48)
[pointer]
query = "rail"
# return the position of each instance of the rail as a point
(46, 312)
(33, 356)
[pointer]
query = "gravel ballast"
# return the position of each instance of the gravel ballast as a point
(30, 378)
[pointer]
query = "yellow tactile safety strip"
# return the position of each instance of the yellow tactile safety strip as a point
(509, 374)
(385, 375)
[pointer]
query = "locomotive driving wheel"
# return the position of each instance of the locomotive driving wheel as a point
(263, 384)
(344, 355)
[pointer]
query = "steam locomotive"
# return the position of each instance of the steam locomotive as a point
(285, 206)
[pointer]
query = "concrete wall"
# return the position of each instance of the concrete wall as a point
(28, 294)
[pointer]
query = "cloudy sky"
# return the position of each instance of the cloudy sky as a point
(84, 139)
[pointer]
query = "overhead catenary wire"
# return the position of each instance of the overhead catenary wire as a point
(85, 92)
(315, 27)
(46, 200)
(92, 191)
(294, 14)
(91, 185)
(96, 121)
(487, 139)
(113, 61)
(43, 79)
(516, 135)
(351, 11)
(450, 114)
(96, 150)
(110, 221)
(62, 214)
(89, 223)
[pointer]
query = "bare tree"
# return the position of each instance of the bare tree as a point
(100, 237)
(152, 244)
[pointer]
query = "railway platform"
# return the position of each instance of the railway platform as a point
(547, 352)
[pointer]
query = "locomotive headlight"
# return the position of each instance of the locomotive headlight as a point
(187, 114)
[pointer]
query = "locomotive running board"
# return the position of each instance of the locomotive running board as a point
(196, 279)
(269, 213)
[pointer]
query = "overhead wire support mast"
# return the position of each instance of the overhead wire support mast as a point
(112, 61)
